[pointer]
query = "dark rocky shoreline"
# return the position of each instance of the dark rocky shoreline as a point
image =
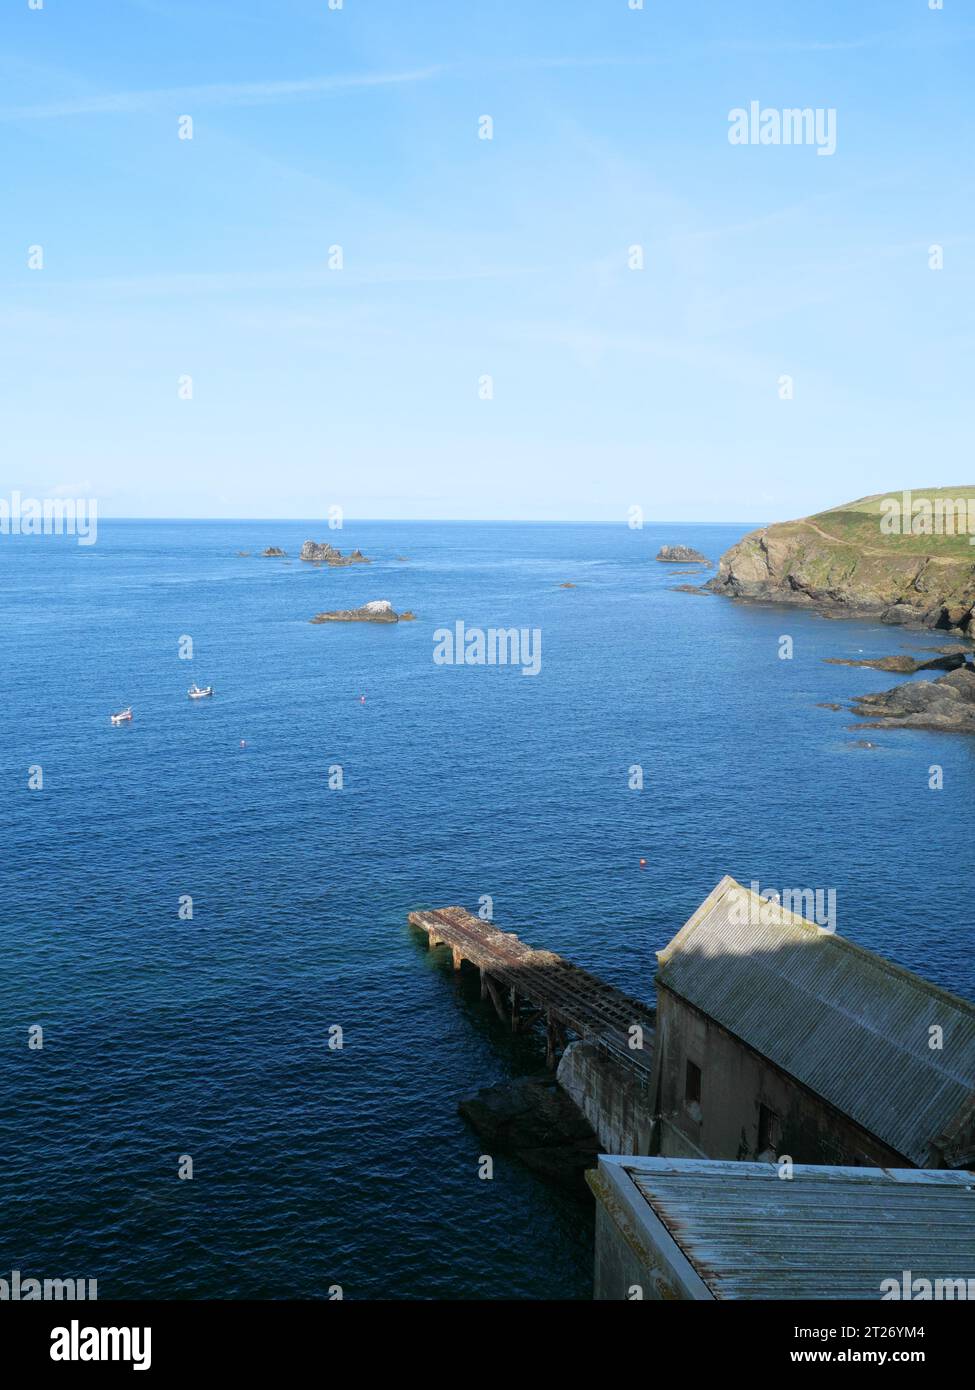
(946, 705)
(837, 564)
(905, 665)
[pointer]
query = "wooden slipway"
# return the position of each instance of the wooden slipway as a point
(568, 1000)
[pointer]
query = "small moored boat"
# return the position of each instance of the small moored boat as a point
(195, 693)
(123, 716)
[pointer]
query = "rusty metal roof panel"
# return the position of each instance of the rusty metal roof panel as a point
(826, 1233)
(846, 1023)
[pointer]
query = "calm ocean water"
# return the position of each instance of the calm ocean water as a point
(209, 1037)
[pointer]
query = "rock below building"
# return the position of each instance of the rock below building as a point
(535, 1120)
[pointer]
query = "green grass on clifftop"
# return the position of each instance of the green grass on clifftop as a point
(859, 524)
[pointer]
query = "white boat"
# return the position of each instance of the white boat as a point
(122, 717)
(195, 693)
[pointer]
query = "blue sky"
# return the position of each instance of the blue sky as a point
(466, 257)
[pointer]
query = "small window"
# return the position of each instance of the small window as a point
(692, 1084)
(768, 1129)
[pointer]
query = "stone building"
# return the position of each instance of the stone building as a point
(777, 1037)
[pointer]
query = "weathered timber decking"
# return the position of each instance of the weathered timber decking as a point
(567, 998)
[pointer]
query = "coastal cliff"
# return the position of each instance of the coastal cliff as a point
(903, 557)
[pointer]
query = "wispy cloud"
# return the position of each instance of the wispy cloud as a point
(217, 94)
(69, 489)
(276, 281)
(892, 38)
(803, 45)
(593, 60)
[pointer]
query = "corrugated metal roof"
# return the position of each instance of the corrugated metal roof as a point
(826, 1233)
(846, 1023)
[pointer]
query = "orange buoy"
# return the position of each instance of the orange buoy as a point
(643, 863)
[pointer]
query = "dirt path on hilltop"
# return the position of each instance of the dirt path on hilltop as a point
(879, 550)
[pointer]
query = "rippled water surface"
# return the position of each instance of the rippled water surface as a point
(208, 1037)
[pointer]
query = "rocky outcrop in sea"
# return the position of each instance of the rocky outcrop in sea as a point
(322, 553)
(378, 611)
(681, 555)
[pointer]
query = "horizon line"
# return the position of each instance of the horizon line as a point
(427, 521)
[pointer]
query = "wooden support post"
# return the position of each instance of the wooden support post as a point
(514, 1011)
(495, 994)
(484, 992)
(554, 1041)
(455, 951)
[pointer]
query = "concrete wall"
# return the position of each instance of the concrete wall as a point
(618, 1271)
(636, 1258)
(614, 1103)
(735, 1081)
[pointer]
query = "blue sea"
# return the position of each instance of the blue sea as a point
(166, 1037)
